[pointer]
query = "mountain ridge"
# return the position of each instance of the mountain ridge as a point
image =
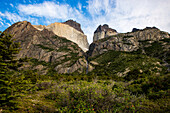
(38, 45)
(57, 53)
(127, 41)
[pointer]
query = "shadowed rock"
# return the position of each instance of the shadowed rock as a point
(74, 24)
(103, 32)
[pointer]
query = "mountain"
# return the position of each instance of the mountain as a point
(131, 41)
(142, 50)
(103, 32)
(70, 30)
(48, 52)
(52, 48)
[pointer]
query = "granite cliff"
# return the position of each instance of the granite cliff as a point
(48, 52)
(149, 41)
(128, 42)
(74, 24)
(103, 32)
(70, 30)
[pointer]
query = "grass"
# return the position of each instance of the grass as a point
(63, 49)
(79, 96)
(137, 92)
(45, 47)
(154, 49)
(166, 40)
(114, 63)
(37, 62)
(63, 40)
(69, 95)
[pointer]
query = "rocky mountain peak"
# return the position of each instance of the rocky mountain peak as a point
(105, 28)
(41, 44)
(147, 28)
(20, 28)
(74, 24)
(19, 24)
(135, 29)
(103, 32)
(70, 30)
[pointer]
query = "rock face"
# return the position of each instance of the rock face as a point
(54, 53)
(70, 30)
(149, 42)
(128, 42)
(74, 24)
(103, 32)
(135, 29)
(47, 50)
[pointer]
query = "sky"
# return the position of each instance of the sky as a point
(122, 15)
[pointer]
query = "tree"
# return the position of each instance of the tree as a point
(8, 63)
(8, 51)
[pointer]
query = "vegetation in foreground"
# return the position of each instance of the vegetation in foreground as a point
(27, 91)
(69, 94)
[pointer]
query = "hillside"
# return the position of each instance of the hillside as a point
(121, 72)
(48, 52)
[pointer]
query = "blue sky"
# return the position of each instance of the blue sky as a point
(122, 15)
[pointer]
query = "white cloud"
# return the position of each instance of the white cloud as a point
(99, 7)
(144, 13)
(12, 17)
(1, 14)
(79, 6)
(8, 24)
(49, 10)
(2, 23)
(123, 15)
(11, 5)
